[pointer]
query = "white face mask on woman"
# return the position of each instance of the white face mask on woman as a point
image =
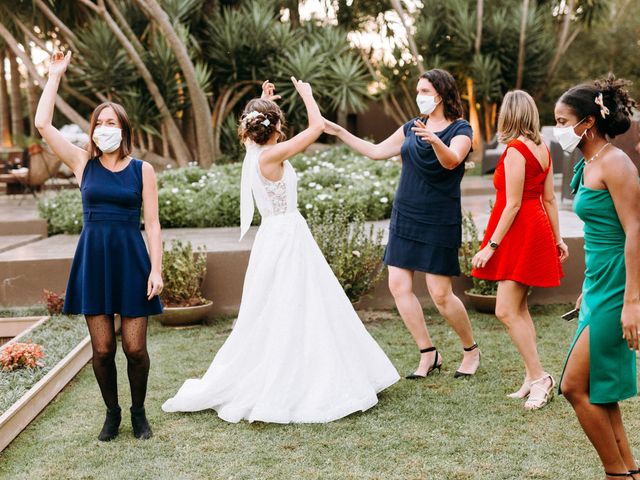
(107, 139)
(426, 103)
(567, 137)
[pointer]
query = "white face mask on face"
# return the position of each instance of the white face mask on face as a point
(426, 103)
(107, 139)
(567, 137)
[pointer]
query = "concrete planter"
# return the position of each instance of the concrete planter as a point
(482, 303)
(182, 316)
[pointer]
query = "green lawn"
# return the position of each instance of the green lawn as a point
(440, 428)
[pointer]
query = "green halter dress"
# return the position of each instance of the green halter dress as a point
(612, 372)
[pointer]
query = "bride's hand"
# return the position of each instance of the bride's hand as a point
(59, 63)
(331, 128)
(268, 91)
(303, 88)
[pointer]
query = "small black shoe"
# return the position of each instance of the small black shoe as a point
(111, 424)
(141, 427)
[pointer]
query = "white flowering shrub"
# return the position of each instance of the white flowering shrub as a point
(192, 197)
(353, 250)
(62, 212)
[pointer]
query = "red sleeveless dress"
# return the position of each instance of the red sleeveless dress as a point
(528, 253)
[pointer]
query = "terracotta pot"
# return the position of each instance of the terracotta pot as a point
(180, 316)
(482, 303)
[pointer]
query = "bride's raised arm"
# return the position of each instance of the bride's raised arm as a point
(287, 149)
(381, 151)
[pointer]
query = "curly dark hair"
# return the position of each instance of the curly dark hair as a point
(260, 126)
(446, 86)
(581, 99)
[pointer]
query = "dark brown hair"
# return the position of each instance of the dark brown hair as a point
(126, 146)
(445, 85)
(581, 99)
(255, 127)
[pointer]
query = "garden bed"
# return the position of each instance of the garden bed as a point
(193, 197)
(26, 392)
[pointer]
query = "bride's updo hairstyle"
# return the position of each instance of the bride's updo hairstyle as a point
(259, 121)
(607, 100)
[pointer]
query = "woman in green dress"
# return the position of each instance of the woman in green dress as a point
(601, 366)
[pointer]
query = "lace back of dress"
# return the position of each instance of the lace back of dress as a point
(277, 194)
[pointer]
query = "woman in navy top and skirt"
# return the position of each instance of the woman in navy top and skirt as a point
(425, 230)
(111, 271)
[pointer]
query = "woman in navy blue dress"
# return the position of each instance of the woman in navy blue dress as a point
(111, 271)
(425, 230)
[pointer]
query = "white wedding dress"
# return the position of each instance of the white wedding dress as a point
(298, 352)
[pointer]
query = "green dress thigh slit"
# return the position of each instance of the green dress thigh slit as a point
(612, 369)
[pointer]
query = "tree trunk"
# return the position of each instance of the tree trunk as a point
(412, 43)
(5, 110)
(32, 105)
(522, 43)
(199, 101)
(66, 31)
(294, 13)
(66, 109)
(561, 46)
(17, 113)
(474, 120)
(479, 18)
(183, 156)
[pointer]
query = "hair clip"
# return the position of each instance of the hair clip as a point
(252, 114)
(266, 122)
(604, 111)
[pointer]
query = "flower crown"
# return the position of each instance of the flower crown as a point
(254, 114)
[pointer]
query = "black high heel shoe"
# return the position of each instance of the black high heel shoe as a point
(626, 474)
(460, 374)
(634, 472)
(435, 366)
(111, 424)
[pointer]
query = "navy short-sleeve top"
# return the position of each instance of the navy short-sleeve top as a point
(428, 194)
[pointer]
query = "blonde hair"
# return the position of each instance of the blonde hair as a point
(518, 117)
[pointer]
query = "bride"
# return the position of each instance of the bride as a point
(298, 352)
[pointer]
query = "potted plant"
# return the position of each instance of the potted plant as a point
(482, 296)
(183, 273)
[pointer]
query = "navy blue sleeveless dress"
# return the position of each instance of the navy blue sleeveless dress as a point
(425, 231)
(111, 265)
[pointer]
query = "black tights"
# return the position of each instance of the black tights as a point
(134, 344)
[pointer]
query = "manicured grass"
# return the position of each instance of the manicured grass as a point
(439, 428)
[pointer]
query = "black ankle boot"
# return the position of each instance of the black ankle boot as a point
(111, 423)
(141, 427)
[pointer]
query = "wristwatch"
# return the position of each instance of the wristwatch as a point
(493, 244)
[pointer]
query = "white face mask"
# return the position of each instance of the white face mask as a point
(107, 139)
(567, 137)
(426, 103)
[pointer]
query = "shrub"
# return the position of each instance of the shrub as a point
(353, 250)
(20, 355)
(62, 212)
(54, 302)
(183, 273)
(471, 246)
(192, 197)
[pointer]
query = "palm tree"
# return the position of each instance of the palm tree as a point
(199, 102)
(180, 149)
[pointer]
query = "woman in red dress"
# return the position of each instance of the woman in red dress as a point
(522, 246)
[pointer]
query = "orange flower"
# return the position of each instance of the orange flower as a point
(16, 355)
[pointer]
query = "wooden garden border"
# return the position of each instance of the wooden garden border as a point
(21, 413)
